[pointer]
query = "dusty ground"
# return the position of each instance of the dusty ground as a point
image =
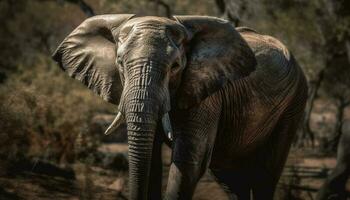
(98, 183)
(206, 189)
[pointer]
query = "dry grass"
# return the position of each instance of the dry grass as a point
(46, 114)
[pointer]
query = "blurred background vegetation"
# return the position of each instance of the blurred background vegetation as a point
(46, 115)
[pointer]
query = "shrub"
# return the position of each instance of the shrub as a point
(46, 114)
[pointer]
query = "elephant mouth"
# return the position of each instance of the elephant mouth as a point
(119, 119)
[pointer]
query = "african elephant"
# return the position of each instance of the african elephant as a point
(234, 98)
(334, 187)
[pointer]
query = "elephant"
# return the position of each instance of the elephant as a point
(335, 184)
(224, 99)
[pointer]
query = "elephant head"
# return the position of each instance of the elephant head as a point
(153, 60)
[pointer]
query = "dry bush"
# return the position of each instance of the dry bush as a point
(46, 114)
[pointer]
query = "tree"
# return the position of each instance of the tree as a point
(334, 21)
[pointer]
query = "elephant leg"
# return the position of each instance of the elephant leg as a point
(190, 161)
(155, 187)
(192, 149)
(235, 183)
(272, 156)
(264, 184)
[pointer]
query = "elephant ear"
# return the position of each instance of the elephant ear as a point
(88, 54)
(216, 54)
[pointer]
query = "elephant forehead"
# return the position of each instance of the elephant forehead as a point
(151, 20)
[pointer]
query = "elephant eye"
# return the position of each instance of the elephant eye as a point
(122, 38)
(175, 67)
(119, 63)
(124, 33)
(120, 66)
(175, 36)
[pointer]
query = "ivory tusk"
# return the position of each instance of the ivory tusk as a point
(115, 124)
(167, 126)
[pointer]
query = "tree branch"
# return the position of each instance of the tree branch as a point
(221, 5)
(231, 10)
(306, 129)
(167, 8)
(86, 8)
(347, 44)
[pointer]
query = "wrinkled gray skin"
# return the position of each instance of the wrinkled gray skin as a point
(234, 98)
(334, 186)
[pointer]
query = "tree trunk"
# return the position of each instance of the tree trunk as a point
(158, 3)
(85, 7)
(306, 132)
(333, 143)
(231, 10)
(348, 49)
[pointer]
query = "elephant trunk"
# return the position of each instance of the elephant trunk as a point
(141, 132)
(145, 100)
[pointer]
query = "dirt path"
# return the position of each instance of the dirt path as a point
(93, 182)
(207, 189)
